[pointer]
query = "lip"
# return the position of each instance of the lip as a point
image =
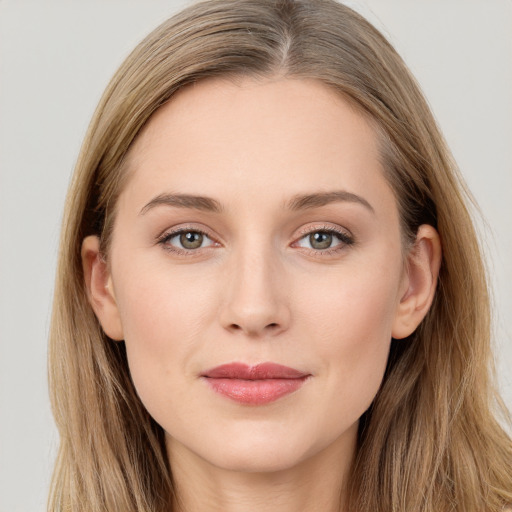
(254, 385)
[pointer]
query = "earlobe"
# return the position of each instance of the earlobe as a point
(422, 271)
(100, 290)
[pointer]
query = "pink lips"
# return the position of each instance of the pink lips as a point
(255, 385)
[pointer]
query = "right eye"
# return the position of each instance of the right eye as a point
(186, 240)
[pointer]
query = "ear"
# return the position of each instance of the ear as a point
(100, 291)
(420, 280)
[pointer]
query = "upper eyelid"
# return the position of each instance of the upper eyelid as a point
(327, 228)
(302, 231)
(172, 232)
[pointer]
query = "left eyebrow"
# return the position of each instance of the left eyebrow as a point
(306, 201)
(183, 201)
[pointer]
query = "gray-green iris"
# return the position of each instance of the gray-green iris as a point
(320, 240)
(191, 240)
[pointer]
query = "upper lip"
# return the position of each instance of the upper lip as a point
(257, 372)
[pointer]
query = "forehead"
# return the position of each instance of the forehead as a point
(258, 138)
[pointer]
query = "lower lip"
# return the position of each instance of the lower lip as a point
(255, 392)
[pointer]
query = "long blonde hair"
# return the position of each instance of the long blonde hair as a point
(430, 441)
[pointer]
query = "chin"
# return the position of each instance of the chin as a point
(265, 452)
(258, 460)
(248, 452)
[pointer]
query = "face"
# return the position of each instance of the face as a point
(257, 227)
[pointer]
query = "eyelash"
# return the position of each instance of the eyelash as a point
(169, 235)
(344, 238)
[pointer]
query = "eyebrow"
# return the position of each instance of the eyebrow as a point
(306, 201)
(298, 202)
(206, 204)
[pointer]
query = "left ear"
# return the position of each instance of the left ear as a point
(420, 280)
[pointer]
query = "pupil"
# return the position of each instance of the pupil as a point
(320, 240)
(191, 240)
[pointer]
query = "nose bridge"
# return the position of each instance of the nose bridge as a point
(255, 299)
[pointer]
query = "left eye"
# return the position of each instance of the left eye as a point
(188, 240)
(324, 239)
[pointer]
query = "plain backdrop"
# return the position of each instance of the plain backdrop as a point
(56, 59)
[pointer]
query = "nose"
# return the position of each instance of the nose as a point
(255, 295)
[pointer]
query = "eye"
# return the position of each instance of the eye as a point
(325, 239)
(186, 240)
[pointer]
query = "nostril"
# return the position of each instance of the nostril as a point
(269, 327)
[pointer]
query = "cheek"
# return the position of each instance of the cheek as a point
(351, 322)
(357, 307)
(163, 316)
(159, 303)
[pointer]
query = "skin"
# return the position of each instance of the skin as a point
(258, 289)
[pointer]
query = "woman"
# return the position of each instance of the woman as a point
(270, 294)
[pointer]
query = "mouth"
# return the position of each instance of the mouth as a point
(254, 385)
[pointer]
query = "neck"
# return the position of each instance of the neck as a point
(316, 483)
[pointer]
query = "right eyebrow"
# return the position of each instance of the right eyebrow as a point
(183, 201)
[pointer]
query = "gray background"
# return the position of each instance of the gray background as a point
(56, 59)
